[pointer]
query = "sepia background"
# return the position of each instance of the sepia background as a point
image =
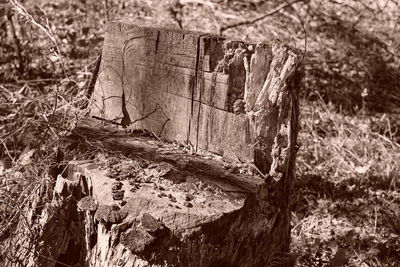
(346, 198)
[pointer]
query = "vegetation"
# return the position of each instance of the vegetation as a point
(346, 201)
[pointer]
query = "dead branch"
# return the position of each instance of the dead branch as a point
(250, 22)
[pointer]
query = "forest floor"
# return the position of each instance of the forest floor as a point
(346, 201)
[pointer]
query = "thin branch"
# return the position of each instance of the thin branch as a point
(90, 89)
(22, 11)
(105, 120)
(8, 152)
(53, 260)
(250, 22)
(304, 30)
(17, 213)
(17, 45)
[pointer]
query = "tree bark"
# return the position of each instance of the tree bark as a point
(202, 175)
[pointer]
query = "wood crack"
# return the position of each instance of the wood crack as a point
(199, 83)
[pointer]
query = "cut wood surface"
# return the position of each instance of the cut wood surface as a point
(199, 174)
(217, 94)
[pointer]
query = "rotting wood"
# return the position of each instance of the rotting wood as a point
(202, 176)
(184, 86)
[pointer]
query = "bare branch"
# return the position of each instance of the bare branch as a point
(249, 22)
(305, 33)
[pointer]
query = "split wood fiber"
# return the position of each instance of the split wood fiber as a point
(203, 175)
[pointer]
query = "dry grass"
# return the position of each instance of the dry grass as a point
(347, 195)
(347, 191)
(347, 146)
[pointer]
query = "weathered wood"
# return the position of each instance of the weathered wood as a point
(190, 87)
(207, 183)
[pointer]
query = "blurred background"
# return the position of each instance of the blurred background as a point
(346, 205)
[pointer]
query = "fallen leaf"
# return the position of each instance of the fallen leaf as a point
(25, 158)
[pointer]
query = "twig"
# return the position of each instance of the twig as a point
(16, 131)
(147, 115)
(249, 22)
(20, 9)
(304, 30)
(2, 231)
(37, 80)
(105, 120)
(8, 152)
(56, 261)
(47, 123)
(17, 45)
(57, 89)
(259, 172)
(92, 83)
(176, 12)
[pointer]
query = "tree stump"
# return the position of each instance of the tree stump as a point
(200, 176)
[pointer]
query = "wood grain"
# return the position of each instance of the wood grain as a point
(183, 86)
(207, 183)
